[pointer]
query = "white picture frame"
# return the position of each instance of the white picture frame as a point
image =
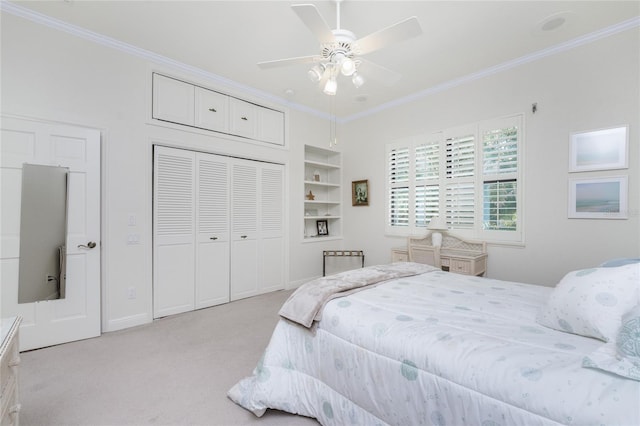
(598, 198)
(603, 149)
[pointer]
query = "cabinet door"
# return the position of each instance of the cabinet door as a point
(244, 229)
(271, 227)
(173, 100)
(212, 231)
(270, 126)
(212, 110)
(242, 118)
(174, 229)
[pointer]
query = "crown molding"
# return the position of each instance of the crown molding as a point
(14, 9)
(562, 47)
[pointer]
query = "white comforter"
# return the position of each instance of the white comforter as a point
(437, 349)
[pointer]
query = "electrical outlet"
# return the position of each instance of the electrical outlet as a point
(131, 293)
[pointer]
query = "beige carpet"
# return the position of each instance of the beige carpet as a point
(175, 371)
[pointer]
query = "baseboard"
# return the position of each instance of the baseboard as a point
(127, 322)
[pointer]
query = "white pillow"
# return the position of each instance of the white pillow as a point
(623, 356)
(591, 302)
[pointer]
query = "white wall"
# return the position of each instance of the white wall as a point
(51, 75)
(588, 87)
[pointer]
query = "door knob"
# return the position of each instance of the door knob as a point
(89, 245)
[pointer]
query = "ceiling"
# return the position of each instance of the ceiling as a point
(227, 38)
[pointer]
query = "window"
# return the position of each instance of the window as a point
(469, 175)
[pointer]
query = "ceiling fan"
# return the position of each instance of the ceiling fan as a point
(341, 52)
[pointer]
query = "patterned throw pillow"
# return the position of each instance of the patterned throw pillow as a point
(619, 262)
(591, 302)
(623, 356)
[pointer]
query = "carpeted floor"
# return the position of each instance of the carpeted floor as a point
(174, 371)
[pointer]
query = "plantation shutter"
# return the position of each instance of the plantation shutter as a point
(427, 177)
(460, 205)
(500, 140)
(398, 168)
(460, 184)
(469, 175)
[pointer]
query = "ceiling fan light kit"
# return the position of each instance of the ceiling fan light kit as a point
(357, 80)
(331, 87)
(340, 51)
(316, 72)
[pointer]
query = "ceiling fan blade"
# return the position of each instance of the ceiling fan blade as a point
(309, 14)
(377, 72)
(289, 61)
(400, 31)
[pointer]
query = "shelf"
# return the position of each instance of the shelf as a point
(321, 202)
(321, 165)
(322, 178)
(320, 217)
(316, 183)
(321, 238)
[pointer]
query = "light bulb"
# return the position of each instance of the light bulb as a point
(348, 67)
(357, 80)
(315, 73)
(331, 87)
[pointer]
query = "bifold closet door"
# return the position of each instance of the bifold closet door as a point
(257, 237)
(212, 230)
(271, 227)
(174, 231)
(244, 228)
(218, 229)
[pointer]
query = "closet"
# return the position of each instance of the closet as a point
(218, 229)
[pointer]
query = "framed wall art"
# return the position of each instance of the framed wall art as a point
(360, 193)
(323, 227)
(598, 198)
(604, 149)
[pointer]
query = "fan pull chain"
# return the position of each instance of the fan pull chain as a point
(333, 138)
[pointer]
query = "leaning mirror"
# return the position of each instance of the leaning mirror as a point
(43, 230)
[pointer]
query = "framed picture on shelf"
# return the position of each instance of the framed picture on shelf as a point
(604, 149)
(602, 198)
(360, 193)
(323, 227)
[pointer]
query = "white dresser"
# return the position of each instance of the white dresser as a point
(9, 362)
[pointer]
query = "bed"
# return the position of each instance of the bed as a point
(410, 344)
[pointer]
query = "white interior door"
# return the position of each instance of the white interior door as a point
(77, 316)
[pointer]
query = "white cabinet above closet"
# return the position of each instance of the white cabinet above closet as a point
(172, 100)
(211, 110)
(243, 118)
(176, 101)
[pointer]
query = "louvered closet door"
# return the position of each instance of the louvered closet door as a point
(174, 231)
(244, 229)
(271, 227)
(212, 239)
